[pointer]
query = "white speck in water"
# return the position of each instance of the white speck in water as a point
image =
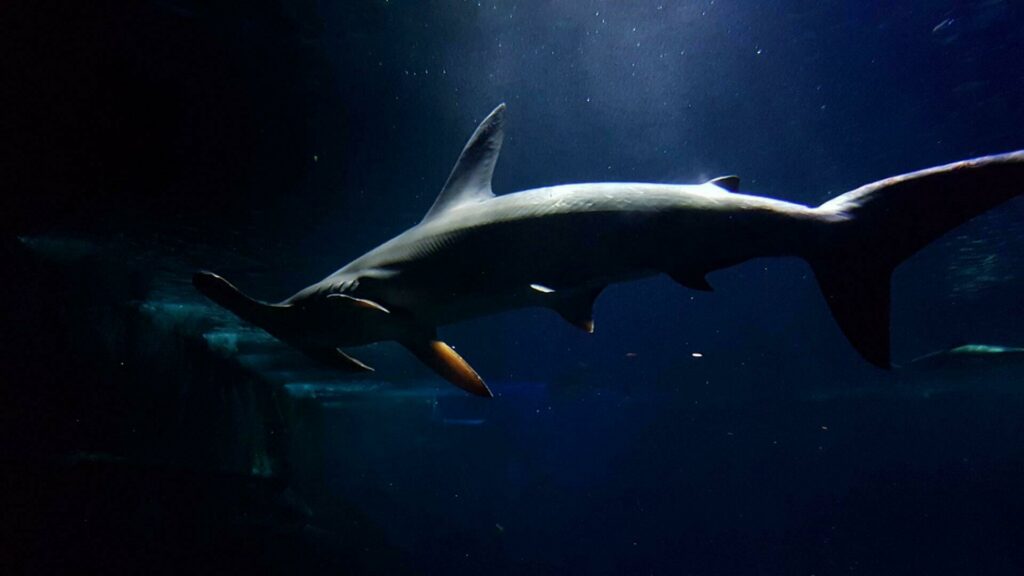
(697, 355)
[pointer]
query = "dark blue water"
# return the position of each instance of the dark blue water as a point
(732, 432)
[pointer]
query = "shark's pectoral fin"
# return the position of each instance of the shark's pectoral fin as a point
(691, 280)
(578, 309)
(336, 359)
(441, 358)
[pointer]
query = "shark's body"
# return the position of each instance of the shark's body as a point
(557, 247)
(509, 251)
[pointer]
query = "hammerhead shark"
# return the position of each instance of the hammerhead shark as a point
(558, 247)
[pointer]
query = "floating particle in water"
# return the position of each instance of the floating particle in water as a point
(943, 26)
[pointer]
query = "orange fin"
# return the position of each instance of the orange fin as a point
(441, 358)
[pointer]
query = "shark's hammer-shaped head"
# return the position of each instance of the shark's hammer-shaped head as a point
(317, 320)
(223, 293)
(321, 324)
(323, 318)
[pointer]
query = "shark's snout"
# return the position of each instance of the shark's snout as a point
(224, 294)
(214, 287)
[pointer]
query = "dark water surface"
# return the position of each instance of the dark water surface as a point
(146, 431)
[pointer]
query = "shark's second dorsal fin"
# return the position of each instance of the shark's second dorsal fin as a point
(470, 180)
(730, 183)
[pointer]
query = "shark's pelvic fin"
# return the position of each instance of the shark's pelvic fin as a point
(335, 358)
(578, 309)
(443, 359)
(470, 180)
(692, 281)
(729, 183)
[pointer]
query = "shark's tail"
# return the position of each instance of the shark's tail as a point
(870, 230)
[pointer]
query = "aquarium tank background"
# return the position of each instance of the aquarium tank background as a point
(146, 430)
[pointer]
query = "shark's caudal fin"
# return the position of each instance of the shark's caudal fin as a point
(870, 230)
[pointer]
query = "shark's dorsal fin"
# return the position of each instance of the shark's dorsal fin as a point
(470, 180)
(729, 183)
